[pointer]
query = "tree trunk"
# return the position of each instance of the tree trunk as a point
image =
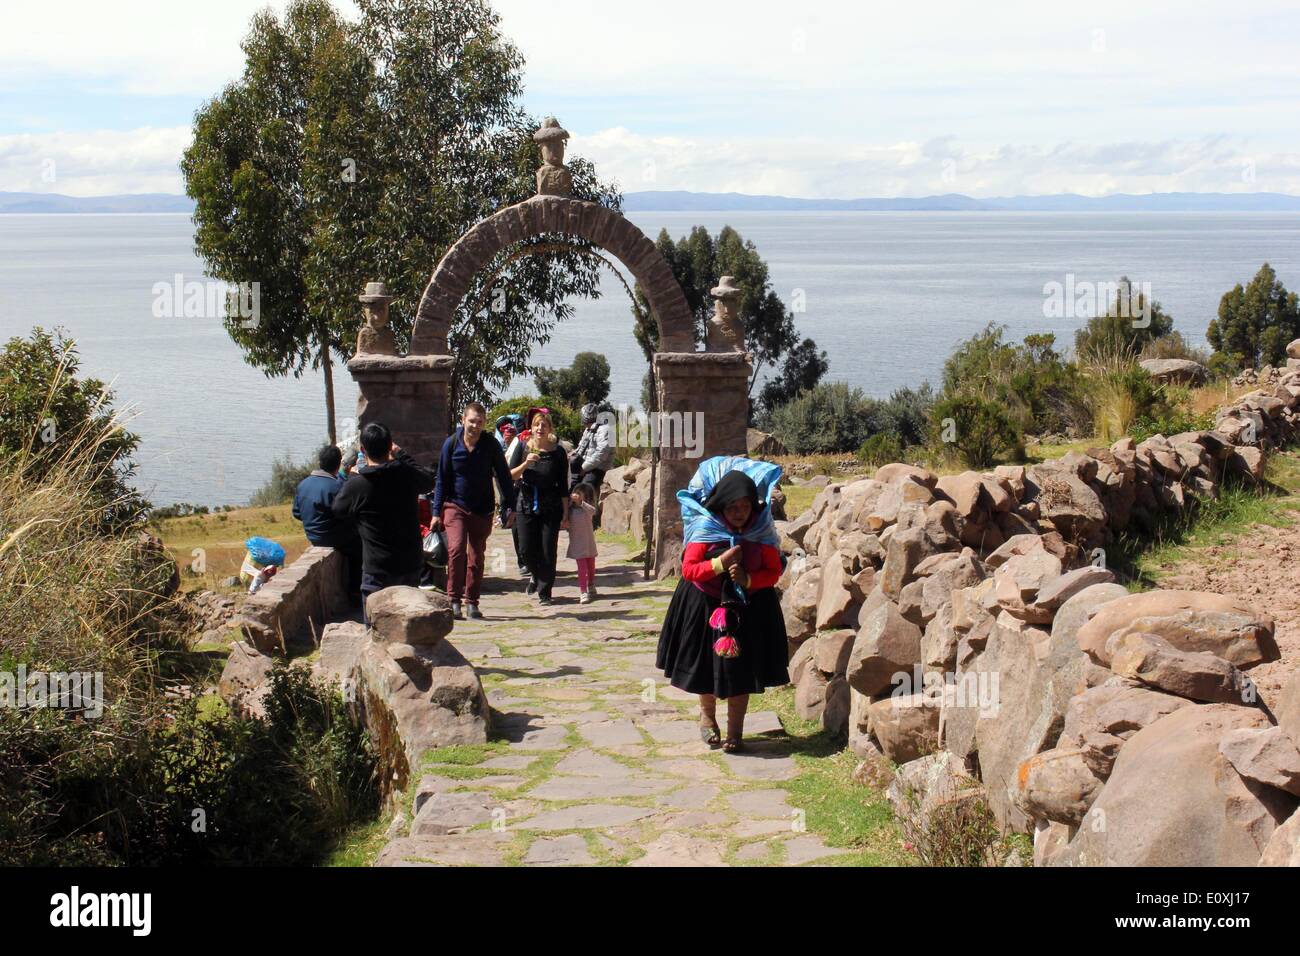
(327, 366)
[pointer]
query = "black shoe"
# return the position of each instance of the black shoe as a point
(532, 587)
(544, 598)
(456, 612)
(473, 613)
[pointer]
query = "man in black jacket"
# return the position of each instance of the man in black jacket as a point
(381, 501)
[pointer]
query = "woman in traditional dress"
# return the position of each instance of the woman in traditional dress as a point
(724, 636)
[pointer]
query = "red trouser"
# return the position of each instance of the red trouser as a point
(467, 535)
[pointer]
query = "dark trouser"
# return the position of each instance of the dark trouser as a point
(372, 583)
(595, 478)
(514, 534)
(351, 548)
(539, 533)
(467, 535)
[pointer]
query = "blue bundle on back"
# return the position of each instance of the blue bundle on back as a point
(265, 551)
(699, 524)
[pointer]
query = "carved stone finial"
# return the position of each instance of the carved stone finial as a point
(726, 333)
(553, 178)
(375, 337)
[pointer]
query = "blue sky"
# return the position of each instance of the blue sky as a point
(813, 99)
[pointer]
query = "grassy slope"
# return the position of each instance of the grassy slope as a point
(1218, 523)
(221, 537)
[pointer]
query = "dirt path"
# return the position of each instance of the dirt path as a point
(1261, 568)
(595, 758)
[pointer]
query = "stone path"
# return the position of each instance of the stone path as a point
(595, 758)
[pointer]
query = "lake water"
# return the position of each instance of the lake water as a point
(887, 295)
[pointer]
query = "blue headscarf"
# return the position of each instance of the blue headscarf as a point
(699, 524)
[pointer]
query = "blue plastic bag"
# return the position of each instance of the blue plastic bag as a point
(265, 551)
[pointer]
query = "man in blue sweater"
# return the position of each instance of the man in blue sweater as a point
(312, 504)
(463, 503)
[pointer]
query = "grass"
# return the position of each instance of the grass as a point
(220, 538)
(843, 813)
(1215, 522)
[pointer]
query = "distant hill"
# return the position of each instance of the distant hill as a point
(54, 203)
(953, 202)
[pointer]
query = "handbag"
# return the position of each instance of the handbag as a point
(435, 548)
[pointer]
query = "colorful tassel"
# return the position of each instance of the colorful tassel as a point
(718, 619)
(726, 646)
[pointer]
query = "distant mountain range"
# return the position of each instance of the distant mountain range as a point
(680, 201)
(53, 202)
(954, 202)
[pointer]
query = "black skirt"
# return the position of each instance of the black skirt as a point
(686, 645)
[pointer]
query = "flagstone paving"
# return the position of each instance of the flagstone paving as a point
(594, 757)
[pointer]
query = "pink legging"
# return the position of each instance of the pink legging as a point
(586, 573)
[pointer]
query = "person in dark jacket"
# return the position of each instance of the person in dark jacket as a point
(312, 506)
(380, 500)
(463, 503)
(543, 501)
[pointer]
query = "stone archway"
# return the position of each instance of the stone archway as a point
(410, 393)
(546, 215)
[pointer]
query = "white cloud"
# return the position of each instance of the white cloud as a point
(96, 163)
(847, 170)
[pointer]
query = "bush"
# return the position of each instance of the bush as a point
(1038, 390)
(1115, 329)
(1121, 392)
(880, 449)
(978, 430)
(567, 420)
(48, 415)
(829, 419)
(1171, 421)
(186, 787)
(586, 380)
(123, 786)
(283, 483)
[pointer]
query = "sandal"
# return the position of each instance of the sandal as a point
(733, 745)
(711, 734)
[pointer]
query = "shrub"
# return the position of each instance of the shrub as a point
(123, 787)
(48, 415)
(283, 483)
(1036, 388)
(978, 430)
(586, 380)
(1120, 390)
(1172, 421)
(1116, 329)
(880, 449)
(905, 416)
(831, 418)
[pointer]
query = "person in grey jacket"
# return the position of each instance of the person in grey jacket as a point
(595, 451)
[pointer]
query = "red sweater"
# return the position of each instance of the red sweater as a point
(761, 561)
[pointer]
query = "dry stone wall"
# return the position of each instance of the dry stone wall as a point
(966, 627)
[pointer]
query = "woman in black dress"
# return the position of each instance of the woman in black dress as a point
(543, 478)
(732, 586)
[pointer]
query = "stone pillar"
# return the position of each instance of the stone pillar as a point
(409, 394)
(712, 389)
